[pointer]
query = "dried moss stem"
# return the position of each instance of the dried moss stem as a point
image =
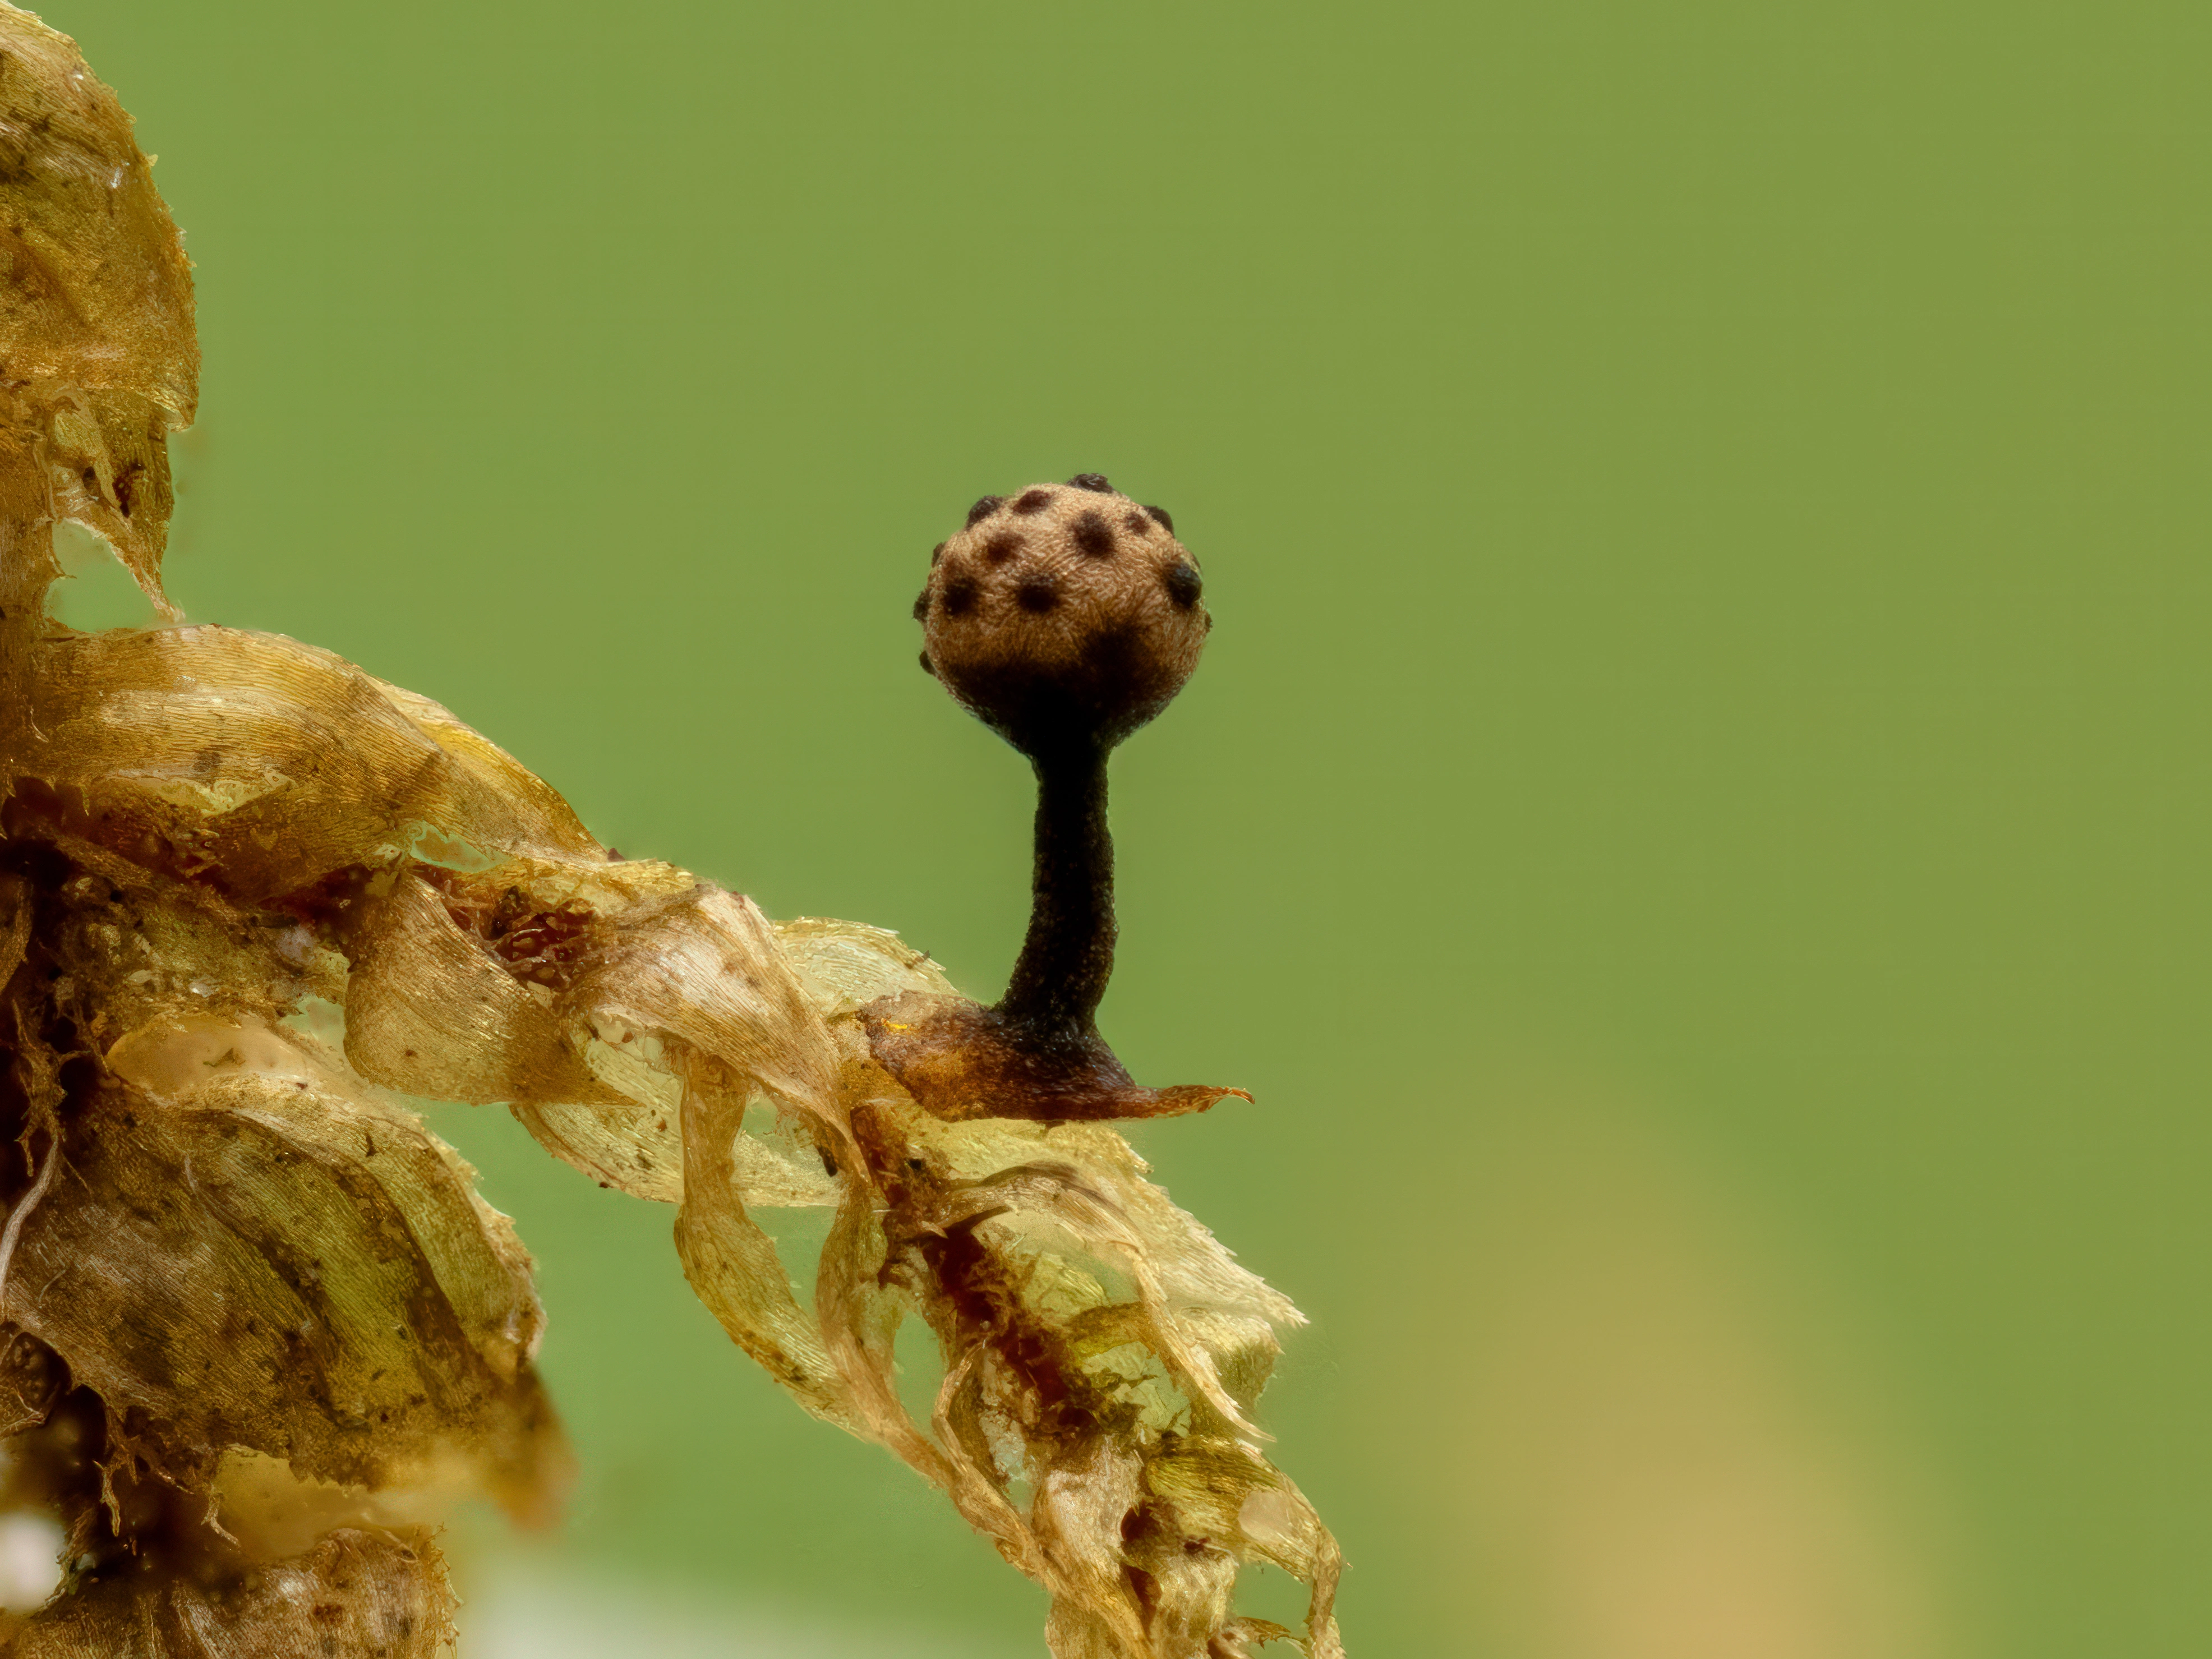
(27, 571)
(25, 1205)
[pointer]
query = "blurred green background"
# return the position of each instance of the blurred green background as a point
(1690, 825)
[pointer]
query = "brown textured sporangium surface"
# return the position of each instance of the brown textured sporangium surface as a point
(250, 896)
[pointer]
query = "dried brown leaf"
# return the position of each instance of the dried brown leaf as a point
(95, 303)
(430, 1011)
(250, 1254)
(357, 1595)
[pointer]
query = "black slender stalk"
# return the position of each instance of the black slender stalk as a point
(1068, 954)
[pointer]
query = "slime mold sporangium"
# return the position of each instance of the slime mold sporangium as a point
(1063, 619)
(255, 1323)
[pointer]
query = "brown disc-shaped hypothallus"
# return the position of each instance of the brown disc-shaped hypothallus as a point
(1064, 616)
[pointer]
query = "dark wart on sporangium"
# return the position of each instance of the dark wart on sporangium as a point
(1063, 617)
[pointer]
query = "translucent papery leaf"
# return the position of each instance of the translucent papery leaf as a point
(1014, 1201)
(1187, 1594)
(844, 965)
(636, 1149)
(1092, 1332)
(265, 761)
(636, 1146)
(1200, 1507)
(495, 797)
(251, 1254)
(99, 290)
(431, 1012)
(702, 969)
(734, 1269)
(860, 1310)
(95, 310)
(139, 946)
(1211, 1319)
(1080, 1503)
(108, 465)
(1194, 1268)
(773, 1179)
(701, 974)
(480, 1265)
(1227, 1494)
(357, 1595)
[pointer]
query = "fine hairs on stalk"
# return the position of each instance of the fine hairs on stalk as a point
(259, 1329)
